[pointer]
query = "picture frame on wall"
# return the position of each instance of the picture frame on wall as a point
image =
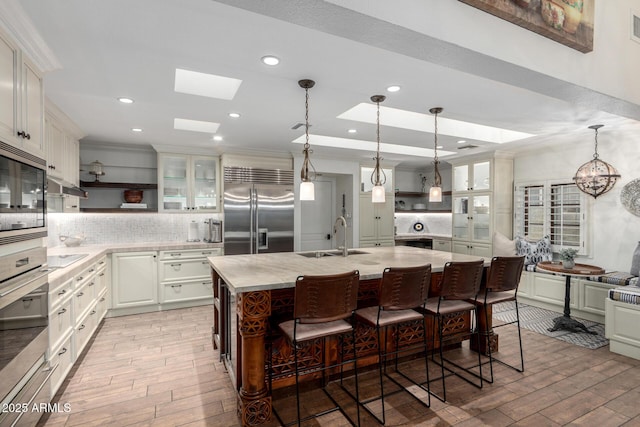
(569, 22)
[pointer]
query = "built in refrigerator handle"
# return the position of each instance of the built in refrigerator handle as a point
(254, 221)
(263, 238)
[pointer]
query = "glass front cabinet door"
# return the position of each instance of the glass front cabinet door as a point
(188, 183)
(204, 172)
(461, 217)
(472, 177)
(472, 218)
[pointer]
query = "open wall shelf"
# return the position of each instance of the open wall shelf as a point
(125, 185)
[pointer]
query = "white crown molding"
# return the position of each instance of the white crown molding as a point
(17, 24)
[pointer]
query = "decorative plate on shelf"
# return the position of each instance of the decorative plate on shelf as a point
(630, 196)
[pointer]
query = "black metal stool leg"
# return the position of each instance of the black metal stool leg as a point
(295, 358)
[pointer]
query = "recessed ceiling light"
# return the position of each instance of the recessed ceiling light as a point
(357, 144)
(195, 125)
(462, 141)
(366, 112)
(126, 100)
(136, 130)
(234, 115)
(270, 60)
(202, 84)
(217, 138)
(393, 88)
(439, 147)
(352, 131)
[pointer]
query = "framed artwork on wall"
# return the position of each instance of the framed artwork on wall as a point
(569, 22)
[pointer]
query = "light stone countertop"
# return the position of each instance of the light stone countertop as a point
(246, 273)
(59, 275)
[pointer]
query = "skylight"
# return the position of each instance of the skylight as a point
(209, 85)
(195, 125)
(403, 119)
(358, 144)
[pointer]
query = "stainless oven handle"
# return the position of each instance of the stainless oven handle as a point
(22, 285)
(51, 371)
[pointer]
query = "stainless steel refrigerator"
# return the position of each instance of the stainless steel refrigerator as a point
(258, 211)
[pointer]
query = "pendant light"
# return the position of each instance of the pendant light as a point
(435, 192)
(378, 177)
(596, 177)
(307, 191)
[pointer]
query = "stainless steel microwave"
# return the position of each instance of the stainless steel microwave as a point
(22, 195)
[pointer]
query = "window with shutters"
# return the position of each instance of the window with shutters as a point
(557, 209)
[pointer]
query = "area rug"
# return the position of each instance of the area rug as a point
(540, 320)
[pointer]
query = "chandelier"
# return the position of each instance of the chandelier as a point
(596, 177)
(378, 177)
(307, 177)
(435, 192)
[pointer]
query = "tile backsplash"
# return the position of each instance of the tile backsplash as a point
(434, 223)
(100, 228)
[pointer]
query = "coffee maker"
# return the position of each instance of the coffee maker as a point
(213, 231)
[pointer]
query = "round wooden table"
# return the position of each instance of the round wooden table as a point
(565, 321)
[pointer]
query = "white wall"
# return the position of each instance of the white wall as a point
(611, 68)
(334, 167)
(614, 231)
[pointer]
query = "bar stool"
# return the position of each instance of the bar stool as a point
(460, 282)
(401, 291)
(321, 306)
(502, 286)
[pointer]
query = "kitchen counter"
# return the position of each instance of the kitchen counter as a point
(254, 293)
(246, 273)
(95, 251)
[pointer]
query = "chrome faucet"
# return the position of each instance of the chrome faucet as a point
(345, 251)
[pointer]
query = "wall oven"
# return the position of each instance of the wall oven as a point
(24, 308)
(22, 195)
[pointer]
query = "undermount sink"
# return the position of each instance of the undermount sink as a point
(333, 252)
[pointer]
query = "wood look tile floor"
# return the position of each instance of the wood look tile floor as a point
(159, 369)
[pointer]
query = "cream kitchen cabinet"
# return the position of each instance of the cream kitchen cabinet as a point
(72, 319)
(62, 141)
(186, 275)
(376, 222)
(470, 248)
(482, 202)
(443, 245)
(61, 329)
(84, 301)
(152, 281)
(188, 183)
(134, 279)
(21, 100)
(472, 218)
(474, 176)
(587, 298)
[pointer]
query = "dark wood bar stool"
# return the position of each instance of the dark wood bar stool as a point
(460, 283)
(401, 291)
(502, 286)
(322, 305)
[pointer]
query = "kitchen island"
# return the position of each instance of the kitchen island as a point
(253, 293)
